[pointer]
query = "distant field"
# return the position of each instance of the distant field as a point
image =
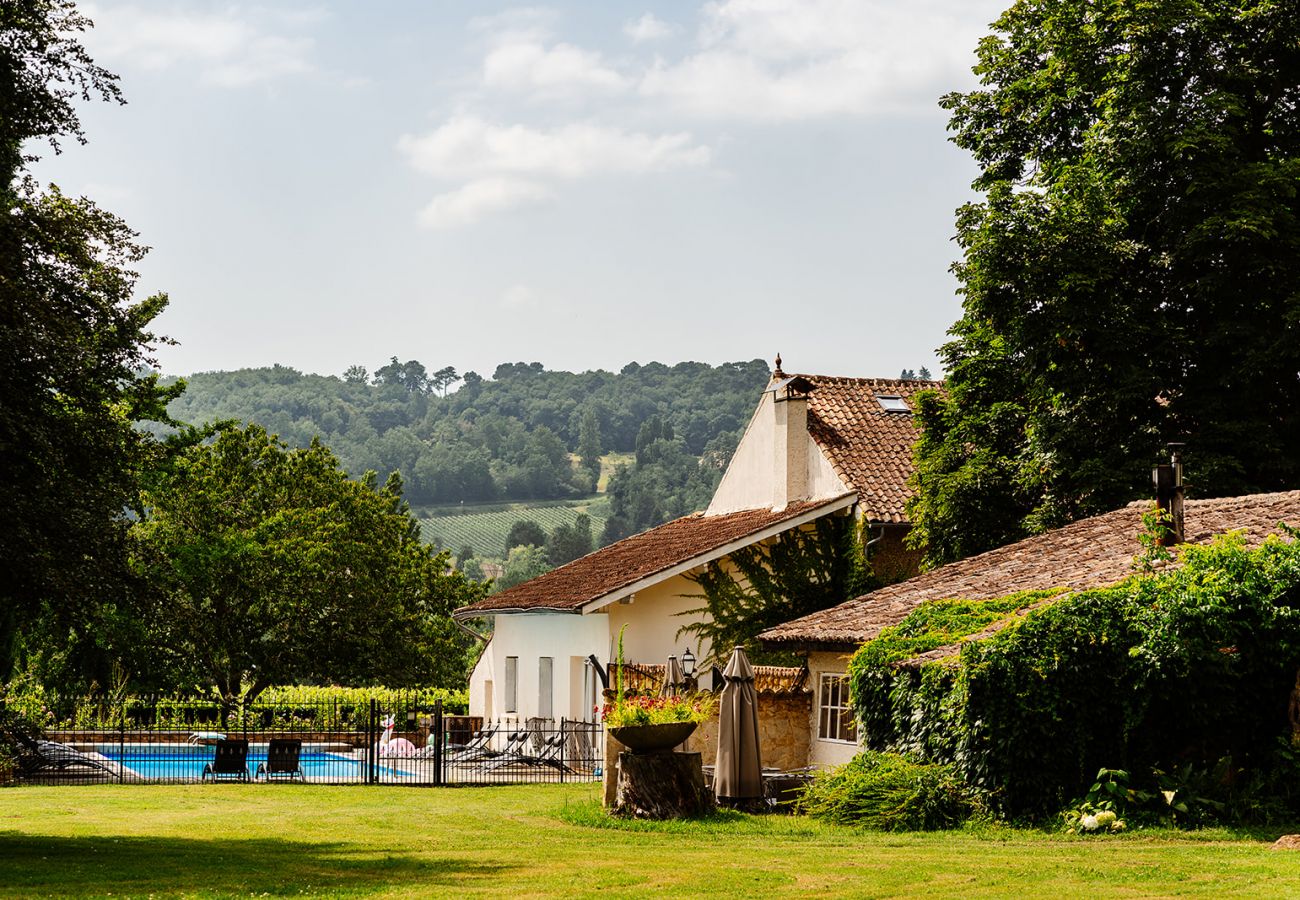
(486, 531)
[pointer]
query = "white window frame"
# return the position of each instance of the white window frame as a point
(835, 717)
(511, 699)
(546, 687)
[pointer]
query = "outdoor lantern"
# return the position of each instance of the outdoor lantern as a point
(688, 663)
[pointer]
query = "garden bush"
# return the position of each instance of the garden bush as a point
(890, 792)
(1169, 669)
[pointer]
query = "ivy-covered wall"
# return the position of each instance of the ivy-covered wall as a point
(1189, 664)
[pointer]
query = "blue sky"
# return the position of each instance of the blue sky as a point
(578, 184)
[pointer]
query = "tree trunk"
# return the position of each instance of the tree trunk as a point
(661, 786)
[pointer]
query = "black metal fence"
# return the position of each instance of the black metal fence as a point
(405, 742)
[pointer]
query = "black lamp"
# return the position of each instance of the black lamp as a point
(688, 663)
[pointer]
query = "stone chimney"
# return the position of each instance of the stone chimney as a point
(1168, 480)
(790, 433)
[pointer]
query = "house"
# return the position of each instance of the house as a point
(816, 446)
(1091, 553)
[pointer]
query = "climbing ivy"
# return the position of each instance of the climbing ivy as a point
(1182, 665)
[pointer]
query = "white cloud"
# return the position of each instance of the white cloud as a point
(467, 147)
(226, 49)
(795, 59)
(503, 167)
(519, 297)
(525, 63)
(483, 197)
(648, 28)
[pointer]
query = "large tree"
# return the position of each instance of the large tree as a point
(271, 566)
(1131, 274)
(75, 344)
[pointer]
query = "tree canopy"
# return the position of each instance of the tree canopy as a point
(513, 437)
(1131, 274)
(270, 566)
(75, 344)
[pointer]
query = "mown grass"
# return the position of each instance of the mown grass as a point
(553, 840)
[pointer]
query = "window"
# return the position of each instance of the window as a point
(892, 403)
(835, 720)
(545, 672)
(512, 684)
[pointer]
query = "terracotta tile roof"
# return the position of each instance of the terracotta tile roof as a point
(1090, 553)
(622, 564)
(870, 448)
(642, 677)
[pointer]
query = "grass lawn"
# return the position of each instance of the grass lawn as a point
(552, 840)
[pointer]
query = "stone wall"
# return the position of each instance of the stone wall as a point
(783, 721)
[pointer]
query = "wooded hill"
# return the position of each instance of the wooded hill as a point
(512, 437)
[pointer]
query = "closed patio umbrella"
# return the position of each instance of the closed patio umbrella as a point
(674, 678)
(738, 773)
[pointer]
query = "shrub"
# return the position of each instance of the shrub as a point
(890, 792)
(1168, 668)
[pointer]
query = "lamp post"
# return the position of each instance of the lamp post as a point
(688, 668)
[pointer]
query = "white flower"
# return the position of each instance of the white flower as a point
(1088, 823)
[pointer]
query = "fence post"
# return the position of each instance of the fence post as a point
(121, 741)
(439, 756)
(564, 739)
(372, 738)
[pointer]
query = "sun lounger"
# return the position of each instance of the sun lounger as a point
(229, 763)
(548, 755)
(283, 761)
(36, 755)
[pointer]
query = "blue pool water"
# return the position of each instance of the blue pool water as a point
(185, 762)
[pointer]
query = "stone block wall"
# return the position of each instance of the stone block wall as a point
(783, 722)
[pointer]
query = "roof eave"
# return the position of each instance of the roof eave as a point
(835, 504)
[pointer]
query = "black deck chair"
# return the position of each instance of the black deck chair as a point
(230, 762)
(37, 755)
(282, 761)
(548, 755)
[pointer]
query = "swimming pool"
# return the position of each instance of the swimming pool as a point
(185, 762)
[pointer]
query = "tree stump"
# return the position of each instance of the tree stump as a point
(661, 786)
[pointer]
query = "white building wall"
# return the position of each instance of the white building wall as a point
(653, 619)
(749, 482)
(567, 638)
(822, 752)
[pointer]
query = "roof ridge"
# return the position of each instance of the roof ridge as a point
(865, 378)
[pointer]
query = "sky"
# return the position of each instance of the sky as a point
(580, 184)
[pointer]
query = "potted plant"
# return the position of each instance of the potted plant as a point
(648, 724)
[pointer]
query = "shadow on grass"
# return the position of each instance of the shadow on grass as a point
(41, 864)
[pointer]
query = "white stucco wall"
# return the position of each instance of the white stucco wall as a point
(822, 752)
(653, 620)
(749, 480)
(564, 637)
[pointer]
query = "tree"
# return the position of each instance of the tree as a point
(410, 375)
(923, 373)
(907, 375)
(522, 564)
(76, 357)
(356, 375)
(568, 542)
(525, 533)
(590, 447)
(443, 379)
(271, 566)
(1130, 273)
(803, 571)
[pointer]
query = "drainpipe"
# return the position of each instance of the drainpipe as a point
(1168, 480)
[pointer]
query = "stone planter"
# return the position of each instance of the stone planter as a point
(652, 738)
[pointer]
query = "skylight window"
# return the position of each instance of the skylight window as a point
(892, 403)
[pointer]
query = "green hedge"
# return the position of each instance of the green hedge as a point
(889, 792)
(294, 707)
(1177, 667)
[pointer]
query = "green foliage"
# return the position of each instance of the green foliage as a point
(523, 533)
(1128, 275)
(77, 349)
(762, 585)
(270, 565)
(284, 706)
(889, 792)
(568, 542)
(1168, 668)
(508, 438)
(522, 564)
(665, 481)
